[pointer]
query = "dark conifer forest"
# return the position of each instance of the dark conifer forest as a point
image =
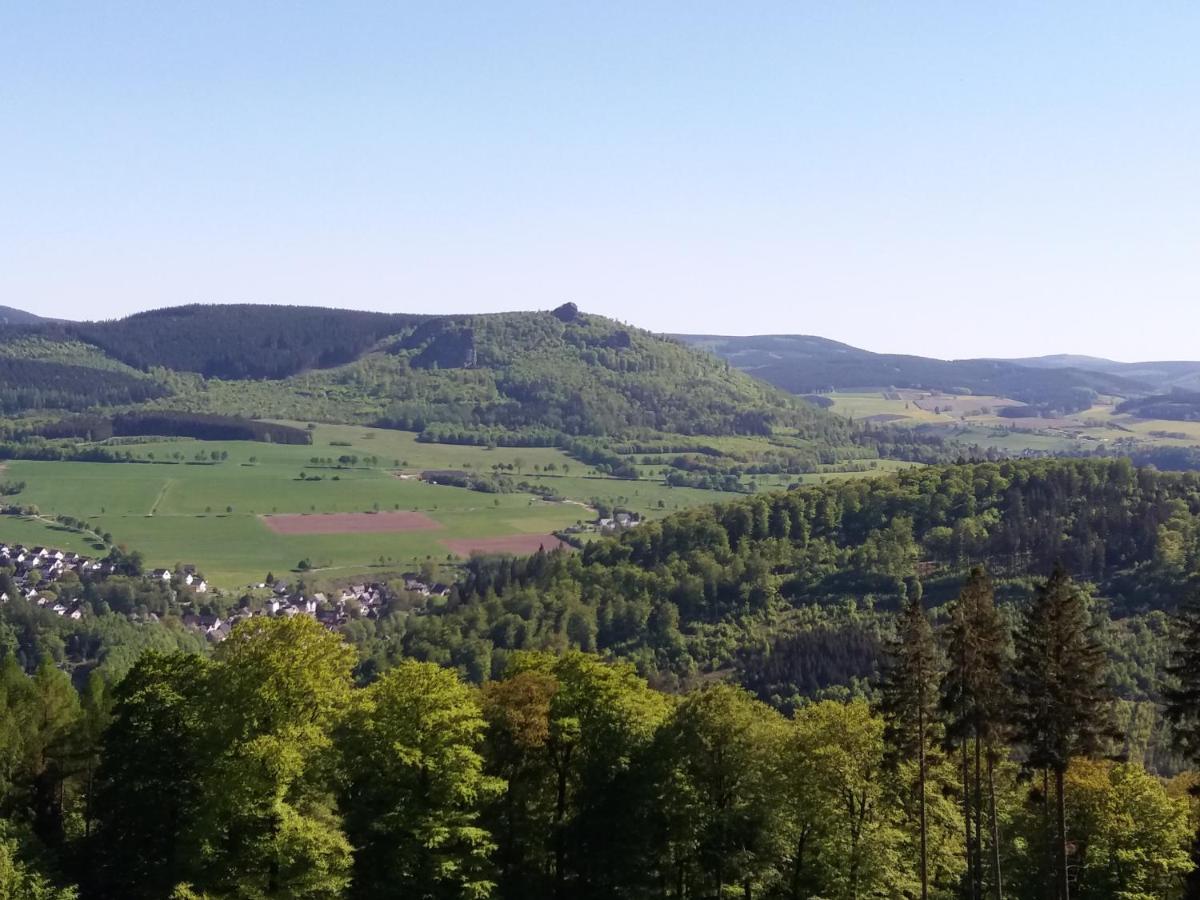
(29, 384)
(267, 342)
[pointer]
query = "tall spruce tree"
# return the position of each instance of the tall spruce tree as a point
(977, 702)
(1183, 695)
(1062, 705)
(908, 703)
(1183, 701)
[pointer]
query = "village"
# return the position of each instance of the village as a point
(38, 575)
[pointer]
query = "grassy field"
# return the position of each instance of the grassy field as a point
(210, 515)
(35, 532)
(175, 509)
(870, 404)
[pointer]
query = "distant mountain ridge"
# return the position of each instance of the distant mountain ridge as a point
(805, 364)
(12, 316)
(1161, 375)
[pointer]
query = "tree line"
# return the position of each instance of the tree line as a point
(172, 423)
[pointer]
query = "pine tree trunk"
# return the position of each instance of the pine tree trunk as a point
(978, 818)
(995, 827)
(1064, 882)
(969, 882)
(87, 808)
(924, 815)
(1051, 883)
(560, 837)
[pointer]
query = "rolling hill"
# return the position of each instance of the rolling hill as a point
(538, 373)
(1178, 406)
(804, 364)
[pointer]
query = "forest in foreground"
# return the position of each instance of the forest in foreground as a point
(788, 696)
(984, 768)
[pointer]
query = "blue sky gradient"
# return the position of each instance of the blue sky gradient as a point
(939, 178)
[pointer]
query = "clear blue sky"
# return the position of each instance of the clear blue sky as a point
(950, 179)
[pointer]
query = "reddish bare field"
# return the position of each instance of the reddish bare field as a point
(351, 523)
(518, 544)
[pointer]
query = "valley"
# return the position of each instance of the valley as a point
(174, 508)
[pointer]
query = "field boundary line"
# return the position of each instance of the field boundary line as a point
(162, 493)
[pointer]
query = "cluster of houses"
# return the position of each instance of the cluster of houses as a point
(606, 524)
(363, 601)
(414, 584)
(36, 569)
(620, 520)
(189, 577)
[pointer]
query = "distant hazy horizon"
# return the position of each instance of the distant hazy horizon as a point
(936, 179)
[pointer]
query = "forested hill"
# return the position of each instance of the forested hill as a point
(241, 340)
(761, 584)
(805, 364)
(542, 374)
(1179, 406)
(581, 374)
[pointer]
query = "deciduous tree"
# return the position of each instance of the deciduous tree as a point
(414, 786)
